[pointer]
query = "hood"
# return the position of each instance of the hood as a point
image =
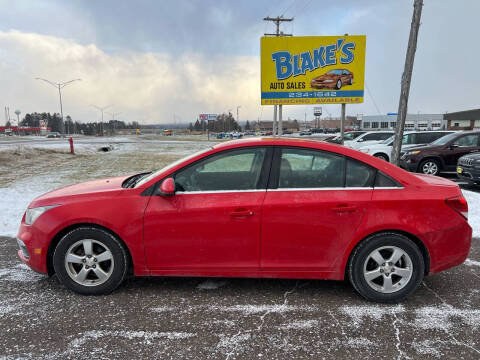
(421, 147)
(90, 187)
(474, 156)
(325, 76)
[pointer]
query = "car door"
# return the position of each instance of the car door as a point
(462, 145)
(213, 220)
(312, 209)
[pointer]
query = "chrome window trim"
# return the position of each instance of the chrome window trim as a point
(287, 189)
(218, 191)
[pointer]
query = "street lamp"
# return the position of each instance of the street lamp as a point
(59, 86)
(101, 109)
(113, 118)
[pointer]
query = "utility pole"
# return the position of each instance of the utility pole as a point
(59, 86)
(406, 78)
(277, 20)
(342, 120)
(101, 110)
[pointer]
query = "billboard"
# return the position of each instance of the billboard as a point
(207, 117)
(303, 70)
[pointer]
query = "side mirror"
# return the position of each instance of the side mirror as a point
(453, 146)
(360, 140)
(167, 187)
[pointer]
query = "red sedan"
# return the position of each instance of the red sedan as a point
(271, 208)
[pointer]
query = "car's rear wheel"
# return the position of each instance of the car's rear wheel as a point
(90, 261)
(381, 156)
(386, 268)
(351, 81)
(430, 167)
(339, 84)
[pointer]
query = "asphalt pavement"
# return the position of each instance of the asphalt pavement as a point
(200, 318)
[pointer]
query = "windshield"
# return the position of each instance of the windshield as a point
(445, 139)
(335, 72)
(170, 166)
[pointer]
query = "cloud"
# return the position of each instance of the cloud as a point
(144, 86)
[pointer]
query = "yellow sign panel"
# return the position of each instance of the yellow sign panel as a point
(312, 69)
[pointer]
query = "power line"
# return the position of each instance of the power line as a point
(373, 100)
(289, 7)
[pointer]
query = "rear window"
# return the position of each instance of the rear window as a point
(382, 180)
(359, 174)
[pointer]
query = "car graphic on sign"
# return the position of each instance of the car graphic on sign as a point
(333, 79)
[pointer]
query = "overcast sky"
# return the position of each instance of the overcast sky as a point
(154, 59)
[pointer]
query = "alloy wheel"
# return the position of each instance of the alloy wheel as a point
(430, 168)
(388, 269)
(89, 262)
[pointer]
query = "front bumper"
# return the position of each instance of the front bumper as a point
(33, 247)
(409, 164)
(322, 85)
(469, 174)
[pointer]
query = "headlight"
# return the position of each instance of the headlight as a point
(32, 214)
(416, 152)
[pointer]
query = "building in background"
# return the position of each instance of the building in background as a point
(463, 120)
(412, 122)
(351, 122)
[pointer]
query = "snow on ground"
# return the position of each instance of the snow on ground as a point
(473, 200)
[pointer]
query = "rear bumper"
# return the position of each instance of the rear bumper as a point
(449, 247)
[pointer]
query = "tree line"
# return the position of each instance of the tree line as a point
(54, 121)
(223, 123)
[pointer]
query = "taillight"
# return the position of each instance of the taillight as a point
(459, 204)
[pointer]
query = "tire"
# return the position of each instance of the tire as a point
(99, 273)
(339, 84)
(430, 167)
(382, 156)
(407, 274)
(351, 81)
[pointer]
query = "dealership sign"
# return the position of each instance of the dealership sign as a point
(207, 117)
(312, 69)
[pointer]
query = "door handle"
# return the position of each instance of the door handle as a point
(241, 212)
(344, 208)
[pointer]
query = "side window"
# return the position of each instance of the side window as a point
(372, 136)
(304, 168)
(229, 170)
(424, 138)
(467, 140)
(359, 174)
(382, 180)
(384, 136)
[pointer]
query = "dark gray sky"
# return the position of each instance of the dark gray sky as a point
(151, 59)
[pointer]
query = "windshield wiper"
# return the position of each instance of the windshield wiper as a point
(132, 181)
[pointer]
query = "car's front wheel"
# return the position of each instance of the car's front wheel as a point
(386, 268)
(90, 261)
(339, 84)
(381, 156)
(430, 167)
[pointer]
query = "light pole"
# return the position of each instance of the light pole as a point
(59, 86)
(238, 118)
(101, 110)
(113, 118)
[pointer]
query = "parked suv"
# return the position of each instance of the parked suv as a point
(442, 154)
(468, 168)
(410, 139)
(371, 137)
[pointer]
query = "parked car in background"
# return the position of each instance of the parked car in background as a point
(266, 208)
(333, 79)
(468, 168)
(53, 134)
(351, 135)
(305, 132)
(370, 137)
(441, 155)
(383, 150)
